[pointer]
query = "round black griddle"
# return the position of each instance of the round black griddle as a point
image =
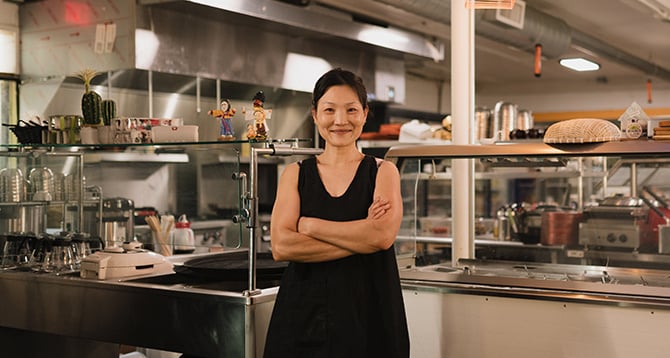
(233, 267)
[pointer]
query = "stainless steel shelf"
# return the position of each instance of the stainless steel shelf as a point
(643, 148)
(136, 157)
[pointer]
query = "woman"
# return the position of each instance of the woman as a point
(335, 219)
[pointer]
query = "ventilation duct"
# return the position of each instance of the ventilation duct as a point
(538, 28)
(555, 35)
(596, 46)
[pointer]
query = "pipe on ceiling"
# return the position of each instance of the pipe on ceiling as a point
(555, 35)
(538, 28)
(598, 47)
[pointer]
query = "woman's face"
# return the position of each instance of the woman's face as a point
(339, 116)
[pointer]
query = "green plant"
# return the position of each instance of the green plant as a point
(108, 111)
(91, 100)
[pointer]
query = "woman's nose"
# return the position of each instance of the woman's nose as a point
(340, 117)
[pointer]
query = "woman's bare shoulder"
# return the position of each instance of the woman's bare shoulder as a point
(386, 166)
(291, 170)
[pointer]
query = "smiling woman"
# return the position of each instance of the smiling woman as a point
(335, 219)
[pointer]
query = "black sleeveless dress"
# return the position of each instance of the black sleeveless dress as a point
(350, 307)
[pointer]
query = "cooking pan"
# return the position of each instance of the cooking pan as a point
(233, 266)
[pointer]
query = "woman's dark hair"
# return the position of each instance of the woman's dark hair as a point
(336, 77)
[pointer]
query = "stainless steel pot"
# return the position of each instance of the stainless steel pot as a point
(621, 200)
(42, 184)
(12, 185)
(484, 124)
(525, 120)
(505, 118)
(21, 218)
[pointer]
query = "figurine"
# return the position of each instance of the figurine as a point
(225, 115)
(251, 133)
(258, 116)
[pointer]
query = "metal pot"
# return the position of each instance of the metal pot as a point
(484, 124)
(560, 228)
(21, 218)
(530, 223)
(620, 200)
(525, 120)
(505, 118)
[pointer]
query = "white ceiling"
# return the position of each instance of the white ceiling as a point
(626, 25)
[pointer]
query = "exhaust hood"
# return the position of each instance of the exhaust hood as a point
(263, 42)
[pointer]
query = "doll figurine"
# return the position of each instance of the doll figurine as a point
(251, 132)
(258, 116)
(225, 115)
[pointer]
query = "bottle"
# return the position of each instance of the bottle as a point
(183, 239)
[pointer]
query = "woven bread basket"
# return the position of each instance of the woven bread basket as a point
(582, 130)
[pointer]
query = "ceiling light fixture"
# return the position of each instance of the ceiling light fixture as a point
(489, 4)
(579, 64)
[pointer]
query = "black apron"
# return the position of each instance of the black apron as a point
(351, 307)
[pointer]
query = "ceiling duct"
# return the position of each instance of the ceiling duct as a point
(538, 28)
(552, 33)
(601, 49)
(555, 35)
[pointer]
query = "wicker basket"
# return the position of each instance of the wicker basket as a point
(582, 130)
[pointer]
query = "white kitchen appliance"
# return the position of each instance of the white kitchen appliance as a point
(126, 261)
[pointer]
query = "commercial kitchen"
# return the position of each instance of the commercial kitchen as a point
(536, 198)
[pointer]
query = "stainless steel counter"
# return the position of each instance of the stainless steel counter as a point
(596, 284)
(169, 312)
(507, 309)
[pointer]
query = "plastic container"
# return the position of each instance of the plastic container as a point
(183, 238)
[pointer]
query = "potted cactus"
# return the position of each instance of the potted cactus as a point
(108, 111)
(91, 102)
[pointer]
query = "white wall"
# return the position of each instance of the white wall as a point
(9, 37)
(9, 14)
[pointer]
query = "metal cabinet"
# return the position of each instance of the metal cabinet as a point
(225, 319)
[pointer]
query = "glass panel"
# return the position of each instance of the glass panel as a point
(577, 207)
(207, 182)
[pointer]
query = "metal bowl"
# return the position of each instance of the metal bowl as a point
(621, 200)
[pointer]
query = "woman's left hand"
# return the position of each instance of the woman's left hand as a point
(378, 208)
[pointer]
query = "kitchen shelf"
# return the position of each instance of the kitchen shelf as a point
(173, 152)
(498, 175)
(136, 157)
(204, 145)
